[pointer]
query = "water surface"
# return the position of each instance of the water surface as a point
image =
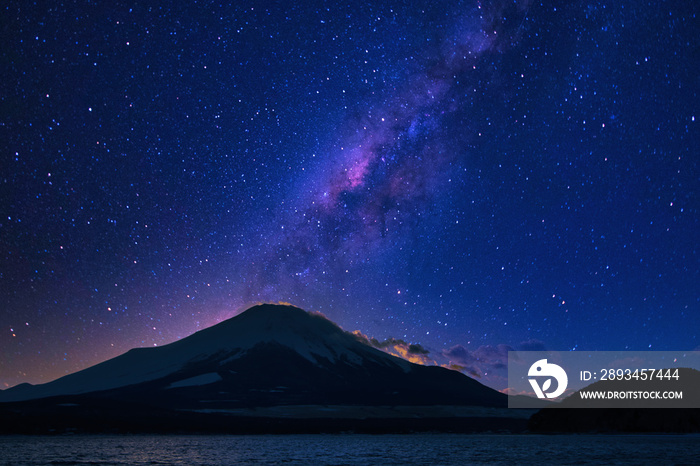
(428, 449)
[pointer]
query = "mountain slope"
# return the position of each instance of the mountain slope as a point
(268, 355)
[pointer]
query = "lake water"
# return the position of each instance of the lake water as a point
(428, 449)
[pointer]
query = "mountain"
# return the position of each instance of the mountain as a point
(263, 362)
(269, 354)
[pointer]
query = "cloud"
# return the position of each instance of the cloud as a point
(481, 362)
(412, 352)
(532, 345)
(417, 349)
(514, 392)
(489, 363)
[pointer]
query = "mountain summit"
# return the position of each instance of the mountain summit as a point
(269, 355)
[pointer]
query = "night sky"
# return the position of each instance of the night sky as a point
(466, 176)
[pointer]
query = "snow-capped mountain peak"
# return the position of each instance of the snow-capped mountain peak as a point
(310, 335)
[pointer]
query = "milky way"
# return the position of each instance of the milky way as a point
(453, 180)
(390, 161)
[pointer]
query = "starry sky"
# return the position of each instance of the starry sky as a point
(467, 177)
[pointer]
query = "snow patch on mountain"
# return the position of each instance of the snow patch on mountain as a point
(196, 381)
